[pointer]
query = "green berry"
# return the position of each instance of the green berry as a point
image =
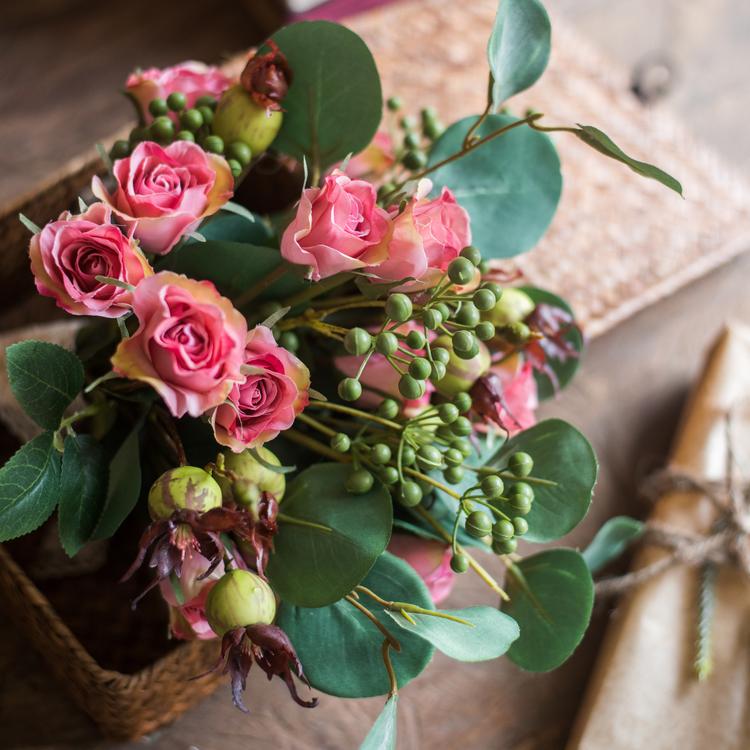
(504, 546)
(462, 445)
(496, 289)
(461, 427)
(389, 475)
(185, 135)
(411, 388)
(415, 339)
(411, 494)
(176, 101)
(520, 525)
(407, 122)
(411, 141)
(503, 529)
(484, 267)
(206, 101)
(520, 503)
(207, 113)
(420, 368)
(472, 254)
(492, 486)
(521, 464)
(289, 340)
(521, 488)
(213, 144)
(162, 129)
(119, 150)
(468, 314)
(350, 389)
(440, 354)
(408, 456)
(158, 107)
(394, 103)
(386, 343)
(516, 333)
(478, 524)
(485, 331)
(444, 310)
(357, 341)
(433, 130)
(484, 299)
(461, 271)
(454, 474)
(398, 307)
(240, 151)
(431, 318)
(414, 159)
(462, 402)
(448, 413)
(459, 563)
(388, 408)
(380, 453)
(341, 442)
(453, 457)
(359, 482)
(191, 120)
(463, 342)
(234, 166)
(438, 371)
(430, 456)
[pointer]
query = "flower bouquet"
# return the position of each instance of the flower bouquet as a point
(303, 357)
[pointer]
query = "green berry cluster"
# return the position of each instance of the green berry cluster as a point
(172, 120)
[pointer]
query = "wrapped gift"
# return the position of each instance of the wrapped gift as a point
(644, 691)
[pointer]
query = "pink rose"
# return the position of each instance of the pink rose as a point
(375, 160)
(164, 193)
(512, 392)
(188, 621)
(430, 558)
(424, 238)
(273, 393)
(68, 255)
(194, 79)
(338, 227)
(380, 375)
(189, 344)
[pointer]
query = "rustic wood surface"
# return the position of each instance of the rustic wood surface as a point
(627, 398)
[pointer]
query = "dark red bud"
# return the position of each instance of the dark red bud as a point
(267, 77)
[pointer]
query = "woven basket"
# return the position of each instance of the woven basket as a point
(124, 706)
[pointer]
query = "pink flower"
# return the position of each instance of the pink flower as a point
(424, 238)
(380, 375)
(430, 558)
(188, 621)
(273, 393)
(68, 255)
(375, 160)
(189, 344)
(194, 79)
(338, 227)
(164, 193)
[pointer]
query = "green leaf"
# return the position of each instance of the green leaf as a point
(611, 541)
(334, 104)
(28, 487)
(313, 567)
(123, 487)
(519, 47)
(45, 378)
(83, 490)
(340, 649)
(510, 186)
(562, 455)
(594, 137)
(551, 597)
(491, 635)
(565, 371)
(382, 735)
(234, 227)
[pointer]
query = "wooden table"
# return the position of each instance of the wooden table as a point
(627, 400)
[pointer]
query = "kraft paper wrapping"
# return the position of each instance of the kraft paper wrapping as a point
(643, 692)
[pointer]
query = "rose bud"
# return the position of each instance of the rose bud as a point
(184, 488)
(430, 558)
(243, 479)
(461, 374)
(512, 307)
(239, 117)
(267, 77)
(238, 600)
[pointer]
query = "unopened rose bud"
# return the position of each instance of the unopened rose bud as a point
(512, 307)
(243, 479)
(184, 488)
(267, 77)
(461, 373)
(238, 600)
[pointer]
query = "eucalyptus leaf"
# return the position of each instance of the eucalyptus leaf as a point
(518, 49)
(562, 455)
(382, 735)
(317, 564)
(44, 378)
(489, 635)
(83, 491)
(612, 539)
(28, 487)
(551, 598)
(340, 649)
(230, 226)
(334, 104)
(602, 143)
(510, 185)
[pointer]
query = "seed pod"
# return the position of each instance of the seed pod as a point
(239, 599)
(251, 479)
(183, 488)
(512, 307)
(461, 373)
(267, 77)
(239, 118)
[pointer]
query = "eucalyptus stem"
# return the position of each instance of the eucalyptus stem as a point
(408, 607)
(389, 668)
(315, 445)
(390, 639)
(316, 425)
(316, 289)
(352, 412)
(301, 522)
(88, 411)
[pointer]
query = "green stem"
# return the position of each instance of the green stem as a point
(352, 412)
(315, 445)
(390, 639)
(315, 290)
(301, 522)
(89, 411)
(315, 424)
(260, 286)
